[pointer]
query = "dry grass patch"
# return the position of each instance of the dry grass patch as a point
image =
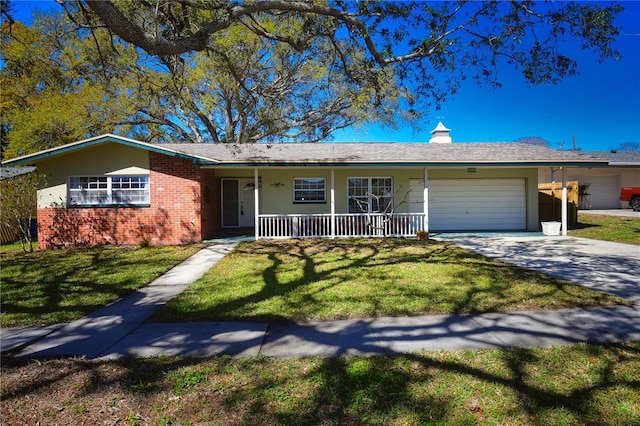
(568, 385)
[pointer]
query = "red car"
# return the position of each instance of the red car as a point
(632, 195)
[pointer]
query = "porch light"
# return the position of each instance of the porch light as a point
(252, 185)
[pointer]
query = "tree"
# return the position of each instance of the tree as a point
(417, 37)
(244, 89)
(275, 70)
(379, 211)
(18, 204)
(55, 86)
(629, 147)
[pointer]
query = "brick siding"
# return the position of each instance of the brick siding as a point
(173, 217)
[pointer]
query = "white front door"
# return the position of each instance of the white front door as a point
(238, 203)
(247, 203)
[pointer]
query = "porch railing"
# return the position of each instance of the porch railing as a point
(346, 225)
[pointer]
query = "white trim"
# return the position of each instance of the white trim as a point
(324, 190)
(369, 178)
(333, 203)
(564, 202)
(256, 198)
(109, 202)
(425, 199)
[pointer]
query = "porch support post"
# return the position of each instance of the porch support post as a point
(256, 199)
(333, 204)
(425, 195)
(564, 201)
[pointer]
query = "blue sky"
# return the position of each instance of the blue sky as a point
(600, 107)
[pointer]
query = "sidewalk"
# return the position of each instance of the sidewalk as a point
(94, 333)
(120, 329)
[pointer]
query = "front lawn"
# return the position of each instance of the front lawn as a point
(608, 228)
(55, 286)
(302, 280)
(563, 385)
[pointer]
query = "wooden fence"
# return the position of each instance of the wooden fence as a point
(550, 202)
(8, 234)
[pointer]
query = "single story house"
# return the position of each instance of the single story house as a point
(114, 190)
(600, 186)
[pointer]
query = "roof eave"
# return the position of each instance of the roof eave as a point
(624, 164)
(411, 164)
(41, 155)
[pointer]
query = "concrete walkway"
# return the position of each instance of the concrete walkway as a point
(120, 329)
(94, 333)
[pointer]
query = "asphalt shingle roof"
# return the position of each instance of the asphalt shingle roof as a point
(618, 158)
(382, 153)
(421, 154)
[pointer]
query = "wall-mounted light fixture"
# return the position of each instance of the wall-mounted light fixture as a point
(252, 185)
(277, 184)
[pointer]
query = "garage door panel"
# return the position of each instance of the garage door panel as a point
(603, 191)
(477, 204)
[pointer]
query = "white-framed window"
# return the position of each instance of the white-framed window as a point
(108, 190)
(370, 194)
(309, 190)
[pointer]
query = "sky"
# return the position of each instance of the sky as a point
(599, 108)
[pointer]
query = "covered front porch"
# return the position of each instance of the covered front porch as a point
(340, 225)
(331, 203)
(269, 203)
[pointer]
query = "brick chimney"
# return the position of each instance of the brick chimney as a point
(440, 134)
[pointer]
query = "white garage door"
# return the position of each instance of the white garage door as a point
(603, 191)
(474, 204)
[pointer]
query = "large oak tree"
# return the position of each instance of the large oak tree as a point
(225, 71)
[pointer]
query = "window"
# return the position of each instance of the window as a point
(370, 195)
(108, 190)
(309, 190)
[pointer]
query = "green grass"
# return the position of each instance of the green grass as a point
(55, 286)
(608, 228)
(567, 385)
(302, 280)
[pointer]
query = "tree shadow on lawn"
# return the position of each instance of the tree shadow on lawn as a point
(572, 260)
(497, 386)
(301, 251)
(483, 285)
(61, 285)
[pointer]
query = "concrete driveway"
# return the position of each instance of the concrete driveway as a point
(612, 212)
(612, 268)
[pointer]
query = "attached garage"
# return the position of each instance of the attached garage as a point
(474, 204)
(603, 191)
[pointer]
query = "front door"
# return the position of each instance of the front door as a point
(238, 203)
